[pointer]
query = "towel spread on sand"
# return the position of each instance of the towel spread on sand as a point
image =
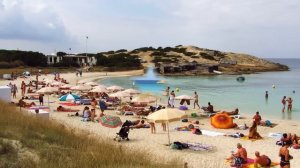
(247, 138)
(275, 135)
(250, 163)
(212, 133)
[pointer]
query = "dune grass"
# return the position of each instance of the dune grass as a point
(28, 141)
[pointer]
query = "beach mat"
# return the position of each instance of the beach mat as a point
(69, 104)
(247, 138)
(275, 135)
(250, 163)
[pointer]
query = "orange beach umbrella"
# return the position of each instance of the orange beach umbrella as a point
(222, 121)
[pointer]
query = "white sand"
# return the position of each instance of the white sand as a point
(142, 139)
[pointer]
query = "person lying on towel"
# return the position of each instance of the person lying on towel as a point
(63, 109)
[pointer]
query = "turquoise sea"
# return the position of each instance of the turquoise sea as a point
(225, 92)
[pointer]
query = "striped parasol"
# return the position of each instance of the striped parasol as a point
(110, 121)
(69, 97)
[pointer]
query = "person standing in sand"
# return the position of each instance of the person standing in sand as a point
(290, 105)
(14, 91)
(23, 88)
(196, 102)
(283, 101)
(172, 99)
(284, 155)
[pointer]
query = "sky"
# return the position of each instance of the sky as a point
(264, 28)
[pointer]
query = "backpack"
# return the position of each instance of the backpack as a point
(268, 123)
(197, 131)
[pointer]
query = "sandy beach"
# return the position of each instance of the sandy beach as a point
(154, 144)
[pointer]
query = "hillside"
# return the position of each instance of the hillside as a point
(227, 62)
(27, 141)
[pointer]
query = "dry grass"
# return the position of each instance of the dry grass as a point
(27, 141)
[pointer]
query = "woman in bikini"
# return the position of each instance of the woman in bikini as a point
(289, 101)
(284, 155)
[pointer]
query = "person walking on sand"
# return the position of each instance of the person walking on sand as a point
(41, 99)
(152, 126)
(283, 101)
(23, 88)
(14, 90)
(290, 105)
(196, 102)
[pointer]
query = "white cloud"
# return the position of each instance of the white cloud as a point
(268, 28)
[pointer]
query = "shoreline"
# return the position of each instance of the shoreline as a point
(154, 143)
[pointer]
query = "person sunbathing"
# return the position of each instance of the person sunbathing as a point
(234, 112)
(22, 103)
(141, 124)
(253, 134)
(261, 160)
(63, 109)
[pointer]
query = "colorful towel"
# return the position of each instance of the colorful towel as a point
(250, 163)
(247, 138)
(68, 104)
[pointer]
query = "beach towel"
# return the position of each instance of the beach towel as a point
(212, 133)
(250, 163)
(275, 135)
(68, 104)
(38, 107)
(247, 138)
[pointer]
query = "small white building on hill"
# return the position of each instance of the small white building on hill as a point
(80, 59)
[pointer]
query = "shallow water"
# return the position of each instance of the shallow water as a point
(225, 92)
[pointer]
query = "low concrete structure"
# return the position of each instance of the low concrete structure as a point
(80, 59)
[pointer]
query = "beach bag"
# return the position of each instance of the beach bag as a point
(178, 145)
(237, 162)
(268, 123)
(194, 115)
(185, 120)
(197, 131)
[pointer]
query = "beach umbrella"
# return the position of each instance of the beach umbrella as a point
(81, 87)
(120, 94)
(66, 86)
(69, 97)
(167, 115)
(115, 88)
(132, 91)
(110, 121)
(98, 90)
(186, 97)
(222, 121)
(145, 98)
(91, 83)
(47, 91)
